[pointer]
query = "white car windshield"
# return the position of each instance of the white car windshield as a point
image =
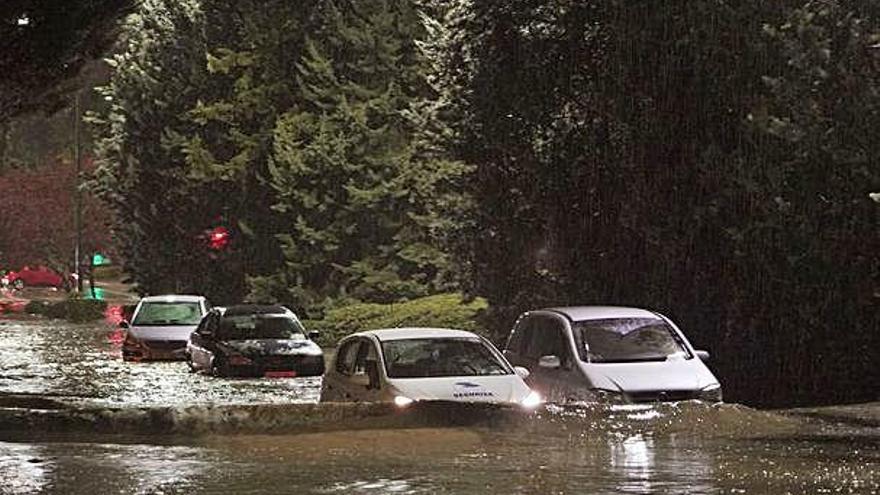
(616, 340)
(255, 327)
(168, 314)
(436, 357)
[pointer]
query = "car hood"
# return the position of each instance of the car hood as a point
(495, 388)
(273, 347)
(672, 374)
(169, 332)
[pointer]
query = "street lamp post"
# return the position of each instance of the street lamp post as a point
(77, 196)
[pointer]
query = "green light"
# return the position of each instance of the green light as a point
(99, 259)
(98, 294)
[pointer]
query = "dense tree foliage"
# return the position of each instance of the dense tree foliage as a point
(707, 159)
(160, 214)
(289, 125)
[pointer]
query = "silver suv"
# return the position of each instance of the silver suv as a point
(160, 327)
(609, 353)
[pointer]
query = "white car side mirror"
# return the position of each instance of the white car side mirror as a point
(521, 372)
(703, 355)
(550, 362)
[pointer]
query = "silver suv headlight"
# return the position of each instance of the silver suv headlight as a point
(712, 393)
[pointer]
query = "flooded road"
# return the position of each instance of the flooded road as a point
(83, 364)
(666, 448)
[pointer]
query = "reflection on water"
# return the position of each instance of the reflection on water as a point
(578, 448)
(84, 364)
(546, 454)
(88, 469)
(23, 468)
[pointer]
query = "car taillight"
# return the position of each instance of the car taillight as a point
(239, 361)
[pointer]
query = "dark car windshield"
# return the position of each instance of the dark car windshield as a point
(168, 313)
(253, 327)
(434, 357)
(627, 339)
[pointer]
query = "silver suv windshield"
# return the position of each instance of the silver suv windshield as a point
(436, 357)
(168, 314)
(617, 340)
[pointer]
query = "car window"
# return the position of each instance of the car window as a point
(366, 353)
(628, 339)
(549, 339)
(345, 356)
(168, 313)
(260, 326)
(515, 343)
(205, 326)
(434, 357)
(541, 336)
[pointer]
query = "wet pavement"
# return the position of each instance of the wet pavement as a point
(82, 364)
(243, 436)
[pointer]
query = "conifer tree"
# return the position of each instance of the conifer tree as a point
(360, 202)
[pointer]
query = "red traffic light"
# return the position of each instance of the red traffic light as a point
(218, 237)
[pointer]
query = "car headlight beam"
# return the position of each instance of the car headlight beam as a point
(402, 401)
(532, 400)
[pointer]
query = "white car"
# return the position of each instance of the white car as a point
(160, 327)
(611, 353)
(406, 365)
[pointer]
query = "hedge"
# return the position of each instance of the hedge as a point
(74, 309)
(441, 311)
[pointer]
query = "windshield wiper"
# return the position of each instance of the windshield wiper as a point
(633, 359)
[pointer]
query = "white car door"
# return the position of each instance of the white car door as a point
(362, 382)
(334, 387)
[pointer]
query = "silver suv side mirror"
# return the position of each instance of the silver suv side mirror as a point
(550, 362)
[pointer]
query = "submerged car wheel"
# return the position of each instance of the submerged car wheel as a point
(219, 367)
(189, 362)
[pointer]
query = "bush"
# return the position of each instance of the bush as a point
(443, 310)
(37, 307)
(74, 309)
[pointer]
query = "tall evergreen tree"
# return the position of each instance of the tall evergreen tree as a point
(360, 202)
(158, 74)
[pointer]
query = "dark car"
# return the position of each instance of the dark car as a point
(254, 340)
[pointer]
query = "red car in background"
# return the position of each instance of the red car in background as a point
(39, 276)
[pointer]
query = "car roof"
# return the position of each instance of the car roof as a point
(579, 313)
(386, 334)
(171, 298)
(254, 309)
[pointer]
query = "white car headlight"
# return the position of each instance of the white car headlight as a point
(532, 400)
(608, 396)
(402, 401)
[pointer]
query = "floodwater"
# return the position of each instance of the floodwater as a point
(666, 448)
